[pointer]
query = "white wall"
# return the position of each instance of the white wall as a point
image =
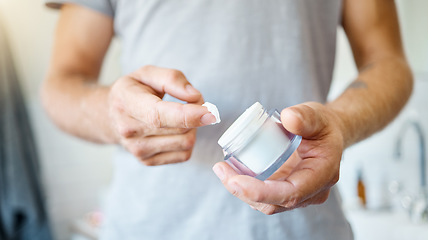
(414, 20)
(75, 172)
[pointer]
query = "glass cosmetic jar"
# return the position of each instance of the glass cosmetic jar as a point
(257, 144)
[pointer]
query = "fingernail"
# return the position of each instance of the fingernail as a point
(190, 89)
(219, 172)
(208, 119)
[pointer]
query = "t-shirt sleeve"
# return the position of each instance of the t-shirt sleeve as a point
(102, 6)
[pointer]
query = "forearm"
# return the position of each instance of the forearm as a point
(78, 106)
(373, 99)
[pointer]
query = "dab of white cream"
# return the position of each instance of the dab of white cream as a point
(213, 109)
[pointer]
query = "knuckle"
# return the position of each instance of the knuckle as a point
(126, 131)
(146, 68)
(173, 75)
(131, 149)
(187, 155)
(185, 130)
(182, 157)
(140, 150)
(136, 152)
(189, 142)
(155, 160)
(119, 85)
(235, 192)
(116, 85)
(115, 102)
(148, 163)
(292, 203)
(185, 120)
(154, 118)
(258, 197)
(121, 80)
(180, 131)
(268, 209)
(117, 108)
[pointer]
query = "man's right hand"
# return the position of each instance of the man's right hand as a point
(131, 111)
(155, 131)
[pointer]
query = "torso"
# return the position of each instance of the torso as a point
(277, 52)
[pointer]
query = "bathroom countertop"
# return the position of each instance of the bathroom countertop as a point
(369, 224)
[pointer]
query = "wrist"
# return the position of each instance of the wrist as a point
(112, 131)
(341, 123)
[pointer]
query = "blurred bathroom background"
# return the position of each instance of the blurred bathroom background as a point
(76, 174)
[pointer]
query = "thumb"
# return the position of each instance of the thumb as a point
(306, 120)
(170, 81)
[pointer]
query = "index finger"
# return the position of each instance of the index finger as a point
(171, 81)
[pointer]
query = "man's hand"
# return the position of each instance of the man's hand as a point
(131, 111)
(305, 178)
(383, 86)
(155, 131)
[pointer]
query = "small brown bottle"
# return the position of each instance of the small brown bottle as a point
(361, 190)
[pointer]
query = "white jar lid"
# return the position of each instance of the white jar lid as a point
(243, 128)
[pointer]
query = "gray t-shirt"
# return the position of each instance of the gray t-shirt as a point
(236, 52)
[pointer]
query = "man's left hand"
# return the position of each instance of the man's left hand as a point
(307, 176)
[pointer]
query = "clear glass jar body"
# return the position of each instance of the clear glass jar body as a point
(257, 144)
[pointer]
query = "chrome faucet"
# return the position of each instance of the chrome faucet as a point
(418, 207)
